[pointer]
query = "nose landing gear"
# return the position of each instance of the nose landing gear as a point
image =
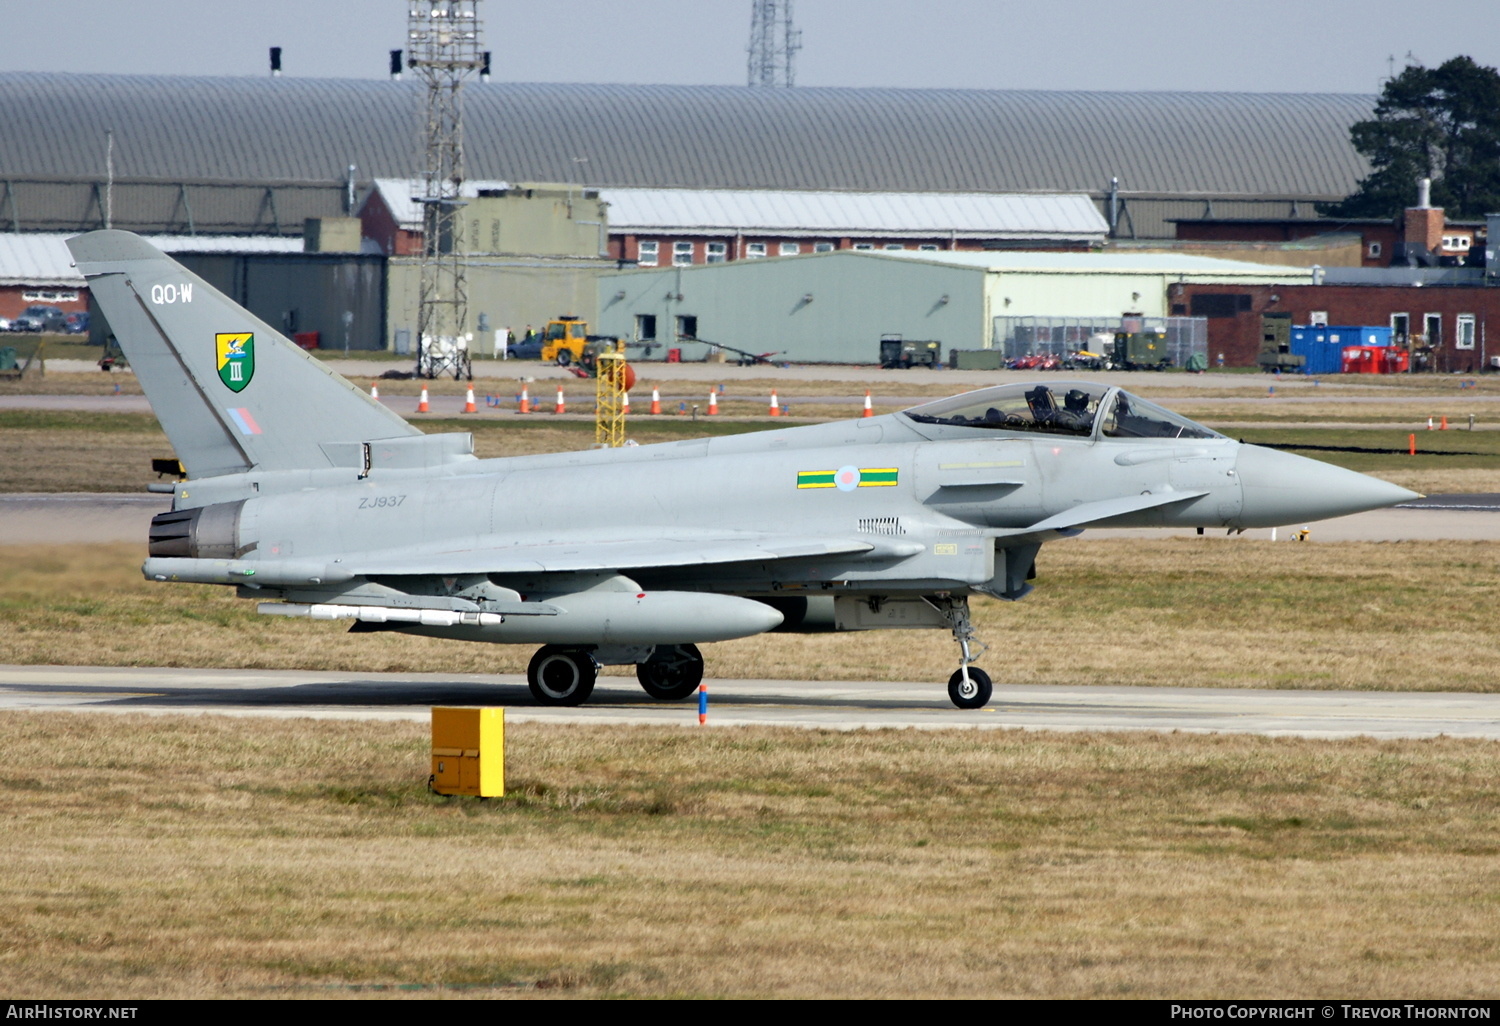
(969, 687)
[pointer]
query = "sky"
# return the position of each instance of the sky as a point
(1337, 46)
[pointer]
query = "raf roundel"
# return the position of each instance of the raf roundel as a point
(846, 479)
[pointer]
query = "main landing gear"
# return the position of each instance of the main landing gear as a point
(559, 675)
(969, 687)
(672, 673)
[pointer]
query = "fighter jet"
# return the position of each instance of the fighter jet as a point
(314, 500)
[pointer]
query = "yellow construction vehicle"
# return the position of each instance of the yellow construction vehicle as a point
(564, 340)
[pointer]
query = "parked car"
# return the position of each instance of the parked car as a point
(526, 350)
(39, 317)
(76, 323)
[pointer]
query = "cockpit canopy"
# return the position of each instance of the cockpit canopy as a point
(1060, 408)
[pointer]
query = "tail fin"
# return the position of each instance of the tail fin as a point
(231, 393)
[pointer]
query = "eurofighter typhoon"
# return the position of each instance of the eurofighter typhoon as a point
(314, 500)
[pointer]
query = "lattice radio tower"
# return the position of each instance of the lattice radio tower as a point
(773, 43)
(442, 40)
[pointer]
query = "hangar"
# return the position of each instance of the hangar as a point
(834, 307)
(259, 155)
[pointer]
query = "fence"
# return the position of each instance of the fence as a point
(1016, 337)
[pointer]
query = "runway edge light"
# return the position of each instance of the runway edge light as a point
(468, 752)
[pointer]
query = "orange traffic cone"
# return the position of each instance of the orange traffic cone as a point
(422, 406)
(713, 403)
(374, 390)
(655, 402)
(469, 406)
(1444, 426)
(625, 404)
(1429, 423)
(562, 406)
(775, 406)
(869, 412)
(525, 401)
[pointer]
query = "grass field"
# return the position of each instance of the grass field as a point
(214, 857)
(1192, 612)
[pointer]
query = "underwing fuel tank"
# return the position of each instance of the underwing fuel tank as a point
(585, 618)
(1279, 488)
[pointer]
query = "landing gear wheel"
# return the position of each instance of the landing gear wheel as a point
(672, 673)
(561, 676)
(973, 693)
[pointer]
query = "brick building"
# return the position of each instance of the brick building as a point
(684, 227)
(1446, 326)
(38, 269)
(1420, 277)
(1420, 236)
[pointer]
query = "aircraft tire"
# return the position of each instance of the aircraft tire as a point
(672, 673)
(561, 676)
(976, 695)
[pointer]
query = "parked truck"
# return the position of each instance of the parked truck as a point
(1142, 350)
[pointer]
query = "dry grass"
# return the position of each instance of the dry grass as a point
(1413, 413)
(1440, 481)
(97, 383)
(1191, 612)
(210, 857)
(44, 460)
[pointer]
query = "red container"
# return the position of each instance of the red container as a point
(1355, 360)
(674, 355)
(306, 339)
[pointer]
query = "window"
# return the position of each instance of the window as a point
(862, 246)
(682, 254)
(789, 249)
(717, 252)
(49, 296)
(645, 326)
(1465, 337)
(647, 253)
(1456, 242)
(1432, 328)
(687, 327)
(894, 245)
(1373, 251)
(755, 251)
(1400, 328)
(928, 247)
(822, 247)
(1219, 304)
(1319, 318)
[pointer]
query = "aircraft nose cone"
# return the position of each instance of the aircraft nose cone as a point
(1280, 488)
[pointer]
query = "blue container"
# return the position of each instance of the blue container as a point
(1321, 355)
(1323, 345)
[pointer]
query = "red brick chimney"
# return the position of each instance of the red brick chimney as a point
(1424, 222)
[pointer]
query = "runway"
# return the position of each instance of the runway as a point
(840, 705)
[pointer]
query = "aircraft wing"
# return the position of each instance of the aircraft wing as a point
(1093, 512)
(548, 554)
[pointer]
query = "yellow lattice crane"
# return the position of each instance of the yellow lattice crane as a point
(611, 384)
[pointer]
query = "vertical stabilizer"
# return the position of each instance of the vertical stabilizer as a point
(231, 393)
